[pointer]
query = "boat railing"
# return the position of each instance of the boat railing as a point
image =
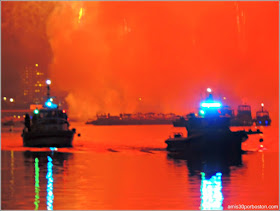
(51, 120)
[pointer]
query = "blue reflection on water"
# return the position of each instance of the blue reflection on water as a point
(49, 177)
(211, 192)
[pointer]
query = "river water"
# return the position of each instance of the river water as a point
(127, 167)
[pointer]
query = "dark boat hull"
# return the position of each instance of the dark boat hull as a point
(233, 122)
(180, 123)
(263, 122)
(223, 143)
(48, 139)
(239, 122)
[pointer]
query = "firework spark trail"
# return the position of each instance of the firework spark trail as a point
(241, 26)
(80, 15)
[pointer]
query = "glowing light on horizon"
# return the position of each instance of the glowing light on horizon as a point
(262, 105)
(211, 192)
(36, 65)
(11, 100)
(36, 111)
(37, 184)
(209, 90)
(4, 98)
(49, 177)
(80, 15)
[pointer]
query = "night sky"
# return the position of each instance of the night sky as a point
(145, 56)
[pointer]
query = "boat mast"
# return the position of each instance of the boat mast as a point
(48, 82)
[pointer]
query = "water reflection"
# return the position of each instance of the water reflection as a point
(12, 180)
(210, 165)
(37, 184)
(211, 192)
(48, 163)
(57, 157)
(49, 177)
(210, 168)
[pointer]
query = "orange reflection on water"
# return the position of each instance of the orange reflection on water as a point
(126, 167)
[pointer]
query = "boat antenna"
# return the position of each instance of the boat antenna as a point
(48, 82)
(210, 96)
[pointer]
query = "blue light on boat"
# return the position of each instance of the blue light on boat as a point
(260, 122)
(211, 105)
(49, 104)
(266, 122)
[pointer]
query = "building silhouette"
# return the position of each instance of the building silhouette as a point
(34, 86)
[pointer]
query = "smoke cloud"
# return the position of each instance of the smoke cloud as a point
(160, 56)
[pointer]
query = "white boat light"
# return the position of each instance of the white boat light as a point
(48, 82)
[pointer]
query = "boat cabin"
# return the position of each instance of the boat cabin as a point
(244, 110)
(262, 114)
(50, 119)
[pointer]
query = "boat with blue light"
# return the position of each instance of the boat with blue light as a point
(262, 117)
(49, 126)
(208, 132)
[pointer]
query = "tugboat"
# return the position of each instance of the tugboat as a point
(243, 117)
(262, 117)
(49, 126)
(209, 133)
(182, 121)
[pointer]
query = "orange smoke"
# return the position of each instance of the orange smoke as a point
(108, 55)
